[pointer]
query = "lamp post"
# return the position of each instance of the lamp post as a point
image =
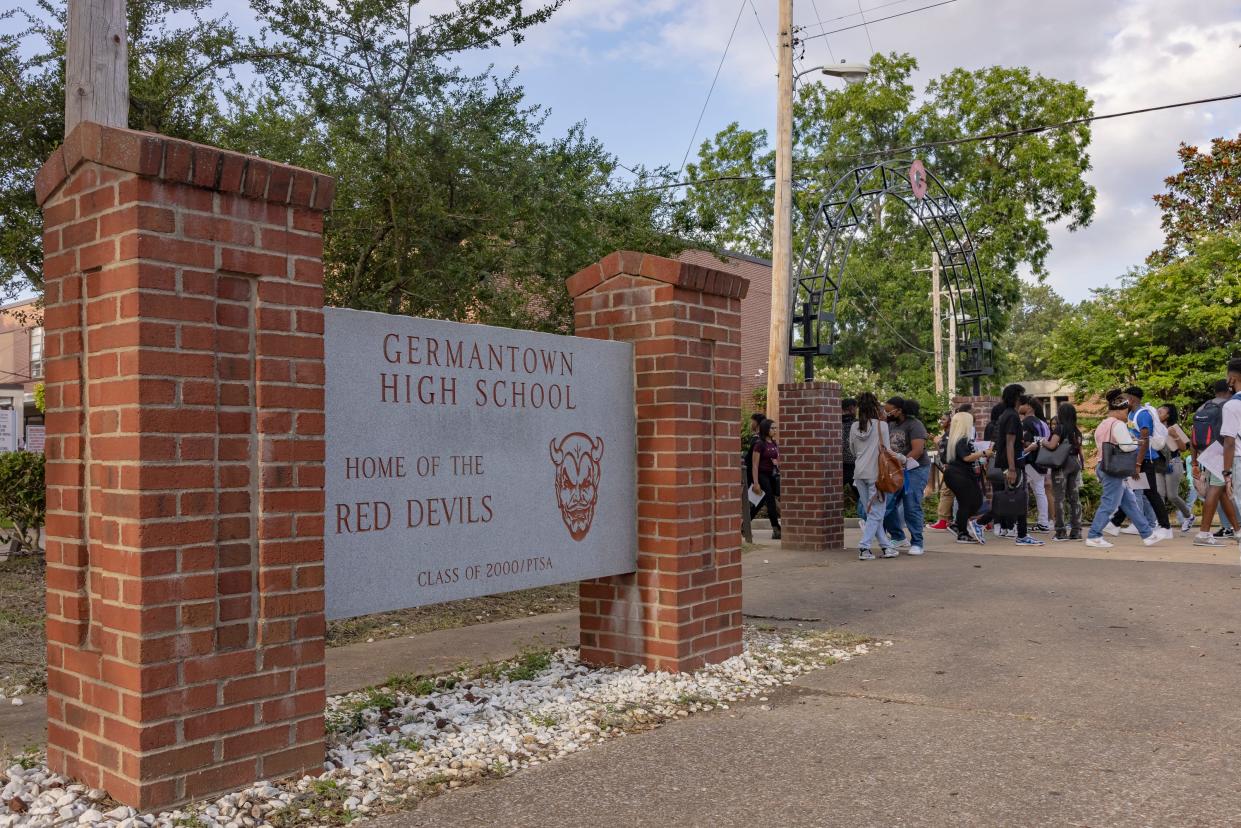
(782, 223)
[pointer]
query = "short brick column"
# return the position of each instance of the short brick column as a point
(980, 407)
(682, 608)
(184, 366)
(811, 466)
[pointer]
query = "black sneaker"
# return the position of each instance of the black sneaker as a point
(1040, 527)
(1061, 535)
(1224, 533)
(1076, 534)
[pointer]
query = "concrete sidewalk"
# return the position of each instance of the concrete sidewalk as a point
(362, 665)
(1021, 689)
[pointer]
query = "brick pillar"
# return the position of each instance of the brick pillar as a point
(184, 293)
(811, 466)
(981, 406)
(682, 608)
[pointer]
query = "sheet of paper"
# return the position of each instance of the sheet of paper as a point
(755, 498)
(1213, 459)
(1137, 485)
(982, 445)
(911, 464)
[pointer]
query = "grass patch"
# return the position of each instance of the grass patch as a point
(525, 667)
(22, 610)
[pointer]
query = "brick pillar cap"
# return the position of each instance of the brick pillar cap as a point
(183, 162)
(659, 269)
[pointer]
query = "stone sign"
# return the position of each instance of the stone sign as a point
(466, 460)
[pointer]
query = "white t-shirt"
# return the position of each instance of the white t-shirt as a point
(1231, 426)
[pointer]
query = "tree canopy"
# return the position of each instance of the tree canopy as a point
(1009, 191)
(1204, 197)
(452, 200)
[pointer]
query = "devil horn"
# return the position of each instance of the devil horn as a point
(596, 448)
(556, 452)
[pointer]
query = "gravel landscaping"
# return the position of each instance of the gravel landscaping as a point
(414, 737)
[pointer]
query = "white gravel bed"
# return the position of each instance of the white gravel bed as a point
(414, 738)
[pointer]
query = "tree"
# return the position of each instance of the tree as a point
(1026, 345)
(1204, 196)
(1170, 329)
(451, 202)
(1009, 191)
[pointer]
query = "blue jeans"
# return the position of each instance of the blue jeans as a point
(908, 502)
(876, 503)
(1117, 495)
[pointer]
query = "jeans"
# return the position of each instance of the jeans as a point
(876, 503)
(1038, 485)
(1170, 486)
(1116, 495)
(1064, 487)
(908, 501)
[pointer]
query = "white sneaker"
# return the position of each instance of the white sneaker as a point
(1187, 524)
(1167, 533)
(865, 555)
(1130, 530)
(1155, 538)
(903, 543)
(1098, 543)
(915, 550)
(1111, 529)
(891, 552)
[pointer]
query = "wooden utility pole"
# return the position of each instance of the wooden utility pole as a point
(937, 335)
(782, 224)
(96, 64)
(952, 349)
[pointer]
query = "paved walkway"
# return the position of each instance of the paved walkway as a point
(1054, 688)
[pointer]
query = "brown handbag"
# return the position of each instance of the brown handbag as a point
(891, 477)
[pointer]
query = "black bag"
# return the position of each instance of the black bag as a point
(1010, 503)
(1053, 458)
(1117, 463)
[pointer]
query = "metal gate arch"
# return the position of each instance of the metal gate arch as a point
(842, 215)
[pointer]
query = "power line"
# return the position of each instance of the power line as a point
(879, 20)
(823, 23)
(764, 31)
(714, 80)
(1012, 133)
(819, 18)
(866, 26)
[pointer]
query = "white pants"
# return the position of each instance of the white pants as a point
(1038, 485)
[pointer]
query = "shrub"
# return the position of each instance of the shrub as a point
(23, 499)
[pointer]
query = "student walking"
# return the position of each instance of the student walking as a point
(1009, 452)
(1174, 454)
(961, 477)
(1113, 436)
(1208, 421)
(908, 436)
(1066, 479)
(868, 435)
(943, 454)
(765, 471)
(1034, 431)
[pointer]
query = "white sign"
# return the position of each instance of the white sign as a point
(36, 438)
(466, 460)
(8, 430)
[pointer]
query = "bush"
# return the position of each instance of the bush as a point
(23, 499)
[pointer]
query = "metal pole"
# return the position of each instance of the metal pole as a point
(952, 351)
(782, 223)
(937, 333)
(96, 64)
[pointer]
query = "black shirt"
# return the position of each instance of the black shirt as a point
(1010, 423)
(964, 448)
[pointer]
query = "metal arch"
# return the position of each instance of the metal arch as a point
(842, 216)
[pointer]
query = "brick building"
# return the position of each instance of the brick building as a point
(755, 313)
(21, 362)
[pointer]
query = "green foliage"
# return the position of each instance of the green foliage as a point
(23, 499)
(1025, 348)
(1169, 329)
(1009, 193)
(411, 684)
(40, 397)
(1204, 197)
(452, 201)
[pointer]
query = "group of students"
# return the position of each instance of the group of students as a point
(1142, 463)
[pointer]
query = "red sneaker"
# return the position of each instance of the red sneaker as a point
(940, 526)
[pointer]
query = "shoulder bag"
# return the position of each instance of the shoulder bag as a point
(1011, 502)
(1117, 463)
(1053, 458)
(891, 477)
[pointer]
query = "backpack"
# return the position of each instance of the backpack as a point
(1159, 431)
(1207, 422)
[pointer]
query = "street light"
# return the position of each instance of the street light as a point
(782, 221)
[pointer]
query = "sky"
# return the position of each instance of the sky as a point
(637, 73)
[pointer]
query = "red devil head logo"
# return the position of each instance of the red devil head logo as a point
(576, 458)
